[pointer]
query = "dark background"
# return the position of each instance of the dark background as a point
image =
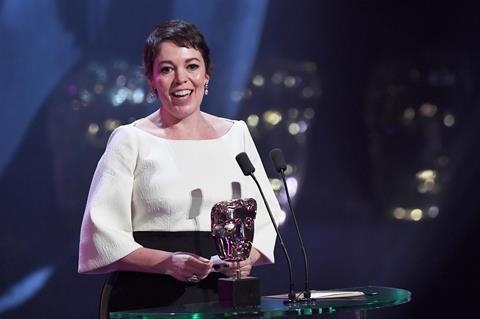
(358, 161)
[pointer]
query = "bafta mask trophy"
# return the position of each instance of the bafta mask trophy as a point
(232, 224)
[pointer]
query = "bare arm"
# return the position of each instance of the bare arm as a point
(179, 265)
(257, 258)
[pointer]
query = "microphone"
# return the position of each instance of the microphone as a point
(248, 169)
(245, 164)
(280, 165)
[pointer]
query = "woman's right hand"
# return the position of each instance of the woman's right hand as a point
(187, 267)
(180, 265)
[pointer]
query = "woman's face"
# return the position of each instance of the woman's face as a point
(179, 76)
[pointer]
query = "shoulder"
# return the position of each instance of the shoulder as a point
(121, 151)
(126, 131)
(124, 136)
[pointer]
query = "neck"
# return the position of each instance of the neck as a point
(194, 126)
(167, 120)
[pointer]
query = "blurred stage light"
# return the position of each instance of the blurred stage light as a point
(416, 214)
(303, 126)
(282, 217)
(236, 96)
(307, 92)
(276, 184)
(433, 212)
(449, 120)
(289, 81)
(272, 117)
(292, 184)
(309, 113)
(293, 128)
(428, 109)
(408, 114)
(137, 96)
(427, 174)
(120, 96)
(277, 78)
(93, 129)
(253, 120)
(293, 113)
(399, 213)
(426, 181)
(258, 80)
(121, 80)
(289, 170)
(111, 124)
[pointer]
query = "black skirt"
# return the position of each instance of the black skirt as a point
(136, 290)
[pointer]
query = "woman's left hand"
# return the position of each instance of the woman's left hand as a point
(230, 269)
(245, 265)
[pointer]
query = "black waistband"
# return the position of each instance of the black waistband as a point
(200, 243)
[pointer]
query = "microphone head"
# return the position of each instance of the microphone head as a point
(245, 164)
(278, 160)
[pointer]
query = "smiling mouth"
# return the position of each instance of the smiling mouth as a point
(181, 93)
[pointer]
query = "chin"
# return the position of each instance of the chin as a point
(183, 111)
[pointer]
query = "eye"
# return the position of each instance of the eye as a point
(192, 66)
(166, 69)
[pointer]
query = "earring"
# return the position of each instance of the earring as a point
(206, 88)
(152, 96)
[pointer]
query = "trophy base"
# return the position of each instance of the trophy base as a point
(234, 292)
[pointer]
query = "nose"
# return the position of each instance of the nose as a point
(180, 76)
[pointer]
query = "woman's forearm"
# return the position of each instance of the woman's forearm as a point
(145, 260)
(257, 257)
(141, 260)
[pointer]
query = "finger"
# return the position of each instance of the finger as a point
(198, 258)
(205, 260)
(199, 261)
(201, 277)
(200, 271)
(196, 264)
(245, 272)
(192, 279)
(245, 262)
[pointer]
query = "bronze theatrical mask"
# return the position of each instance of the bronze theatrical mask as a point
(233, 228)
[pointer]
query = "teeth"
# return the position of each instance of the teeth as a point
(182, 93)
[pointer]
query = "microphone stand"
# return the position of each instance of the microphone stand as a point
(280, 166)
(306, 293)
(291, 294)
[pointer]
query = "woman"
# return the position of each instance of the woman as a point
(147, 217)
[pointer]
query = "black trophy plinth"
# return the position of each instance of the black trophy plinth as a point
(234, 292)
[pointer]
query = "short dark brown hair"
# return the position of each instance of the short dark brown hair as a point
(181, 33)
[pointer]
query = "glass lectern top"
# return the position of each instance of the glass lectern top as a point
(373, 298)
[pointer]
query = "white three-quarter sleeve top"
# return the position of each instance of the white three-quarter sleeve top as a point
(147, 183)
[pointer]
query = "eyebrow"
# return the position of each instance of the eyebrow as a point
(186, 61)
